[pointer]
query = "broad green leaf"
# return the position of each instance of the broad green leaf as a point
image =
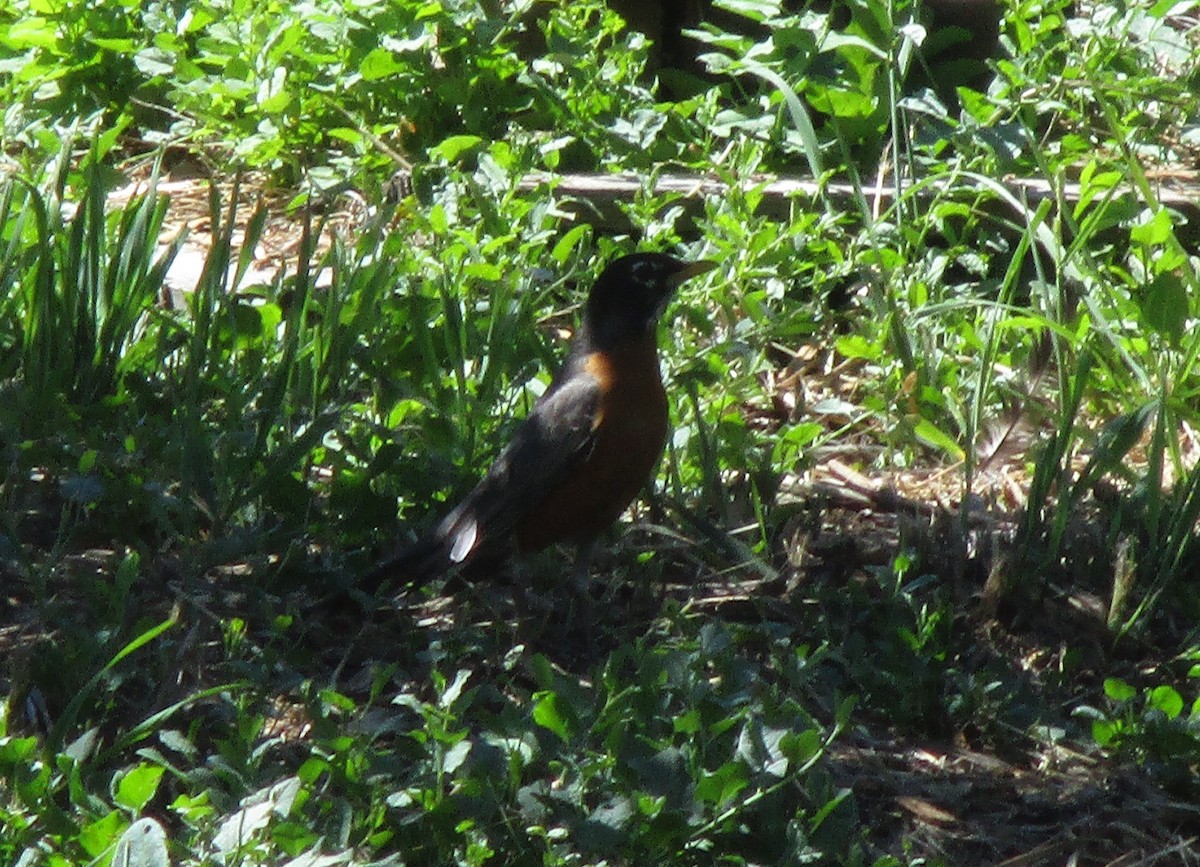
(836, 40)
(346, 134)
(844, 710)
(547, 714)
(95, 837)
(1168, 700)
(932, 435)
(1154, 231)
(801, 746)
(568, 242)
(791, 443)
(1105, 731)
(1118, 690)
(687, 723)
(841, 101)
(486, 271)
(451, 148)
(119, 46)
(857, 346)
(755, 10)
(723, 784)
(438, 221)
(135, 789)
(32, 33)
(378, 64)
(17, 750)
(1165, 306)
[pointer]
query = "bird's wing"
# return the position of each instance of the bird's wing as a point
(557, 434)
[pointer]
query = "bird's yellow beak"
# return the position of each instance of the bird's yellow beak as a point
(692, 270)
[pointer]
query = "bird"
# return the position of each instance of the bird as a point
(588, 446)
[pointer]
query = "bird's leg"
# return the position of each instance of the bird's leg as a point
(578, 581)
(520, 595)
(583, 614)
(581, 574)
(537, 600)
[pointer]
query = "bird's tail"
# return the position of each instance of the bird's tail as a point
(420, 562)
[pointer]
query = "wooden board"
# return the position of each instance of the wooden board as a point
(597, 198)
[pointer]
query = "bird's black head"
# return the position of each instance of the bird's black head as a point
(632, 293)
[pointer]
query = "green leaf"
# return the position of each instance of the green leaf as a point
(1105, 732)
(932, 435)
(755, 10)
(1118, 690)
(837, 40)
(69, 716)
(791, 444)
(844, 710)
(1116, 438)
(347, 134)
(17, 750)
(723, 784)
(127, 572)
(378, 64)
(1165, 306)
(568, 242)
(802, 746)
(548, 714)
(451, 148)
(649, 806)
(334, 699)
(136, 788)
(1154, 231)
(32, 33)
(485, 271)
(97, 836)
(857, 346)
(842, 102)
(119, 46)
(438, 220)
(828, 807)
(1168, 700)
(402, 409)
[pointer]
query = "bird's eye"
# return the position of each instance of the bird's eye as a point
(645, 273)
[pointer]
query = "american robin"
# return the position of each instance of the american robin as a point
(587, 447)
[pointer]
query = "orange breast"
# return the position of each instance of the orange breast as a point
(630, 435)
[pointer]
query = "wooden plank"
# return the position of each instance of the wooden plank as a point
(597, 198)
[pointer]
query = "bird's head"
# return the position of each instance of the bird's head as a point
(632, 293)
